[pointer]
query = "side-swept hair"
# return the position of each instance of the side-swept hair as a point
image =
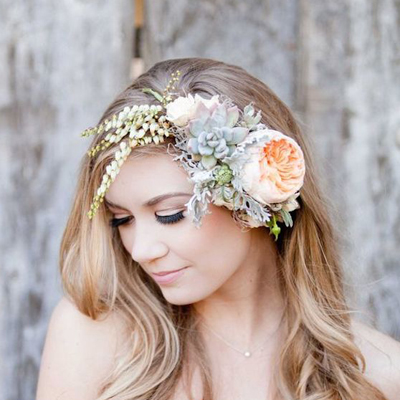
(319, 359)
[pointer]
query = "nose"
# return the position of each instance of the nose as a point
(148, 245)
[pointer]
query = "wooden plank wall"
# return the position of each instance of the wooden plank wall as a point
(61, 64)
(335, 63)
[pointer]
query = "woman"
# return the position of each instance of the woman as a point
(200, 261)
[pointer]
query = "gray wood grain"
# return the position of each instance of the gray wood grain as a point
(62, 63)
(350, 99)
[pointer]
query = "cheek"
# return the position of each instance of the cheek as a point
(216, 250)
(219, 234)
(126, 239)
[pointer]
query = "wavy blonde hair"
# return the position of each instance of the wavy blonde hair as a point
(319, 359)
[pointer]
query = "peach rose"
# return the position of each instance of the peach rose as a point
(276, 167)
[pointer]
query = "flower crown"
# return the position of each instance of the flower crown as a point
(233, 160)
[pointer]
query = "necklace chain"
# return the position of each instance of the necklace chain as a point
(246, 353)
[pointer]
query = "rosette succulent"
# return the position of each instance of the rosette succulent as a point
(213, 134)
(250, 119)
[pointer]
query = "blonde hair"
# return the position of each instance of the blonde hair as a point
(319, 359)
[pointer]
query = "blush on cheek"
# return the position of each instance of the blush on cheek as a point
(220, 226)
(219, 243)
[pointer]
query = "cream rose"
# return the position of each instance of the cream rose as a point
(276, 167)
(179, 110)
(182, 110)
(207, 102)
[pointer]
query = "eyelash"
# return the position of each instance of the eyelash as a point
(167, 219)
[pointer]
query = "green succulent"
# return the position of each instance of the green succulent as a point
(249, 119)
(223, 175)
(213, 135)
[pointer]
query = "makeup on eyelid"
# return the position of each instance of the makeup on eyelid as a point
(164, 219)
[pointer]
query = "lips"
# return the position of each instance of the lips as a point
(168, 277)
(166, 272)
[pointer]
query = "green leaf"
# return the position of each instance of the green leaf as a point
(287, 218)
(154, 93)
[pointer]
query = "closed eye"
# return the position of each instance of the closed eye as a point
(115, 222)
(163, 219)
(170, 219)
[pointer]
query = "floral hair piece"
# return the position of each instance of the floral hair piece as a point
(233, 160)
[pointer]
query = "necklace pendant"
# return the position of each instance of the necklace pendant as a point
(247, 354)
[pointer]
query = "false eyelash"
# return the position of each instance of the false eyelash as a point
(170, 219)
(167, 219)
(115, 222)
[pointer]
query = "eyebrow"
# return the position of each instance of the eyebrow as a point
(152, 201)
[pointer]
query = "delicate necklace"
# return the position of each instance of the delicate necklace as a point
(246, 353)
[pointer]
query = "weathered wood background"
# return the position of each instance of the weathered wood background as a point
(61, 64)
(336, 64)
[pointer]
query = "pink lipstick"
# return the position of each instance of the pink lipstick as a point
(168, 277)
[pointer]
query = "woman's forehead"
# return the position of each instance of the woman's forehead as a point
(145, 178)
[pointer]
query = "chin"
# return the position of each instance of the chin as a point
(181, 299)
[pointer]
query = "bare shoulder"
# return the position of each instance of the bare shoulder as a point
(382, 356)
(78, 353)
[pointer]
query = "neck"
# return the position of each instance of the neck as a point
(249, 306)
